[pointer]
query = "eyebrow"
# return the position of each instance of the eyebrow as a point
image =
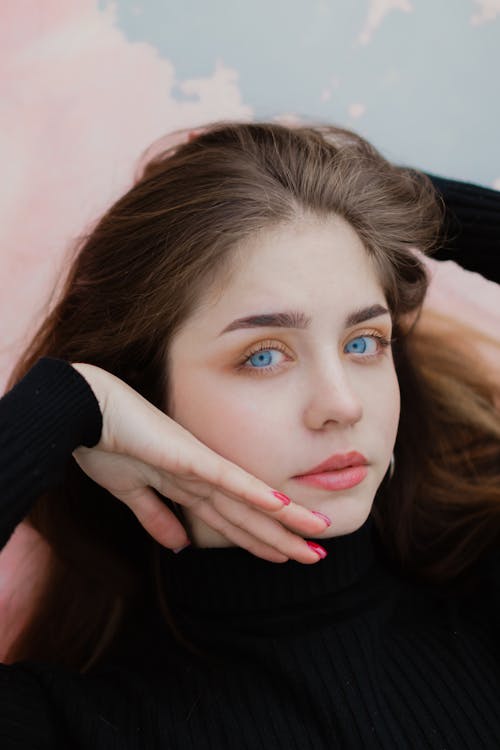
(295, 319)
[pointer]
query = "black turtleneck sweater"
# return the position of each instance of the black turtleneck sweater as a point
(471, 227)
(346, 653)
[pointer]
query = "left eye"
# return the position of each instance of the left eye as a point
(361, 348)
(262, 358)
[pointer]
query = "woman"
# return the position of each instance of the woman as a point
(259, 286)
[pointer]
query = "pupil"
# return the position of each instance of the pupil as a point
(262, 358)
(359, 344)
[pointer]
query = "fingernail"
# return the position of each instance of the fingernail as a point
(323, 517)
(179, 549)
(318, 549)
(284, 499)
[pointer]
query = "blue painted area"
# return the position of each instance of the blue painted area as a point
(428, 79)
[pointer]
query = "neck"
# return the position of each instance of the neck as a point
(214, 580)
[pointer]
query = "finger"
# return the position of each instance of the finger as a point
(186, 491)
(238, 536)
(302, 520)
(210, 467)
(267, 530)
(158, 520)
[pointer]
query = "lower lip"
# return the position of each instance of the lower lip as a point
(341, 479)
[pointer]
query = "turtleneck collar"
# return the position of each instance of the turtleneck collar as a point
(231, 579)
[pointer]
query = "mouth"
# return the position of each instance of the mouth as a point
(336, 479)
(338, 472)
(337, 461)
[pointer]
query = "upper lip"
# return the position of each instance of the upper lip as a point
(337, 461)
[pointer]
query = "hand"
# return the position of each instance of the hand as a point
(142, 449)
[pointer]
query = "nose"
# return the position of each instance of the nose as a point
(331, 397)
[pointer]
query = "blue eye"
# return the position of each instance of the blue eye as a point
(360, 349)
(261, 361)
(261, 358)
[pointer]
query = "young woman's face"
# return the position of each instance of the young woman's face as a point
(279, 399)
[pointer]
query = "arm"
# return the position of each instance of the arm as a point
(471, 232)
(50, 412)
(42, 419)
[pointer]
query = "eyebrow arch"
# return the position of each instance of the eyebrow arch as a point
(295, 319)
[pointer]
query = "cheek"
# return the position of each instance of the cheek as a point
(229, 421)
(384, 411)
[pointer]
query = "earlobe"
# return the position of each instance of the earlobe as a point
(392, 465)
(390, 470)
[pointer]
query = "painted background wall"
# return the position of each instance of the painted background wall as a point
(87, 85)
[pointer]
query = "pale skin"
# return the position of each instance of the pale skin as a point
(233, 434)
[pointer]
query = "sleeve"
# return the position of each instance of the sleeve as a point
(48, 414)
(471, 231)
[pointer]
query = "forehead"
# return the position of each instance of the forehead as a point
(309, 263)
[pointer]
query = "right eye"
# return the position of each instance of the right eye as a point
(259, 359)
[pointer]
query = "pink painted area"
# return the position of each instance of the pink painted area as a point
(487, 11)
(79, 105)
(23, 565)
(465, 297)
(377, 11)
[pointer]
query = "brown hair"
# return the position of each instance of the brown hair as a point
(141, 272)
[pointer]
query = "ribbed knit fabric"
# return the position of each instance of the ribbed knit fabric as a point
(43, 419)
(471, 231)
(346, 653)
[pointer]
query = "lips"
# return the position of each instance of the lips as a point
(337, 462)
(339, 479)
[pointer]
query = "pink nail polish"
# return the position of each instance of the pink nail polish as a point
(179, 549)
(323, 517)
(318, 549)
(284, 499)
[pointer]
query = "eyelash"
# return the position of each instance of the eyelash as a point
(382, 342)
